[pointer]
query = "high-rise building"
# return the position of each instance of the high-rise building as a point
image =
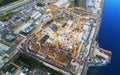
(80, 3)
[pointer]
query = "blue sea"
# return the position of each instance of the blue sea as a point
(109, 38)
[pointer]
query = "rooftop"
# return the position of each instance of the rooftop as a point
(3, 47)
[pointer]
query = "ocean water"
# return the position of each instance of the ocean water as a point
(109, 38)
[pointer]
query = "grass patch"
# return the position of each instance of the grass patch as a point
(40, 4)
(7, 15)
(80, 3)
(31, 63)
(27, 61)
(72, 4)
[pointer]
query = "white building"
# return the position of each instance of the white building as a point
(36, 15)
(1, 24)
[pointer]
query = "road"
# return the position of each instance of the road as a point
(8, 62)
(14, 5)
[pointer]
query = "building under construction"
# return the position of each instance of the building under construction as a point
(63, 37)
(60, 40)
(80, 3)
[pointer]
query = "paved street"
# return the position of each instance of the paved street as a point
(14, 5)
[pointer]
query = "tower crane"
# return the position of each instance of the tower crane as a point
(61, 23)
(80, 25)
(38, 34)
(75, 47)
(75, 50)
(56, 35)
(69, 12)
(56, 42)
(53, 18)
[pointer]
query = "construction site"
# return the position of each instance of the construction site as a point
(61, 38)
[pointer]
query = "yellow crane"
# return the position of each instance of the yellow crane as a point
(56, 34)
(53, 18)
(75, 51)
(38, 34)
(61, 23)
(80, 25)
(75, 47)
(56, 42)
(69, 12)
